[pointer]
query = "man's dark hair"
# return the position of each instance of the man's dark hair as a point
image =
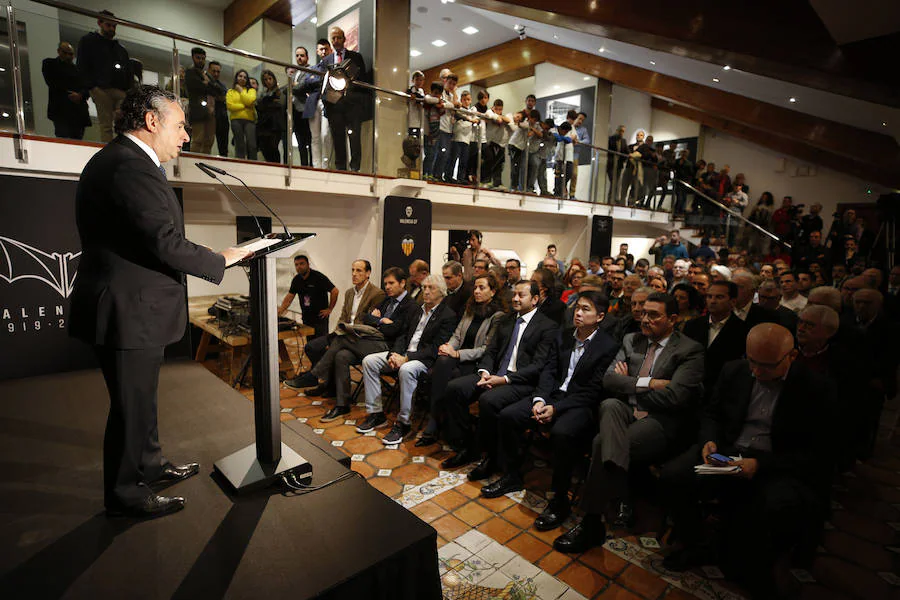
(368, 265)
(791, 273)
(549, 123)
(551, 246)
(486, 263)
(533, 287)
(598, 299)
(547, 280)
(436, 87)
(302, 48)
(572, 114)
(514, 260)
(301, 257)
(395, 272)
(498, 102)
(642, 262)
(452, 77)
(455, 267)
(594, 258)
(582, 113)
(667, 299)
(530, 96)
(732, 287)
(704, 241)
(213, 62)
(323, 42)
(483, 94)
(476, 233)
(108, 13)
(139, 101)
(534, 114)
(198, 50)
(565, 127)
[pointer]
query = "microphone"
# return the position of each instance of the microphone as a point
(287, 232)
(210, 171)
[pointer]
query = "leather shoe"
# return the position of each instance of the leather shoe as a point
(459, 459)
(582, 537)
(173, 473)
(506, 484)
(553, 516)
(321, 391)
(425, 440)
(483, 469)
(624, 516)
(151, 508)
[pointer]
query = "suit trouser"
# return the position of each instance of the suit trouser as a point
(64, 129)
(516, 157)
(320, 136)
(621, 440)
(345, 123)
(107, 101)
(202, 135)
(629, 178)
(334, 366)
(408, 375)
(570, 433)
(303, 133)
(444, 370)
(492, 170)
(223, 126)
(574, 180)
(461, 392)
(132, 455)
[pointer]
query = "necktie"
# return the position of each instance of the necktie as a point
(648, 360)
(338, 57)
(162, 170)
(513, 341)
(390, 309)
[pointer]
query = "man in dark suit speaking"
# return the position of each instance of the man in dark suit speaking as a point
(128, 300)
(345, 115)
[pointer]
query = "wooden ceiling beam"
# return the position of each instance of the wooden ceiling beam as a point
(241, 14)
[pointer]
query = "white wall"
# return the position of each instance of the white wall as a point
(513, 93)
(776, 173)
(666, 126)
(637, 246)
(550, 80)
(631, 109)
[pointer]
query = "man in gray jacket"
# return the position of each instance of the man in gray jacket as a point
(657, 378)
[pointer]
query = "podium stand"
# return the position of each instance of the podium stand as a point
(260, 464)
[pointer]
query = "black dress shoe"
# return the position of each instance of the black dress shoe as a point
(335, 413)
(483, 469)
(460, 459)
(321, 391)
(151, 508)
(582, 537)
(553, 516)
(624, 516)
(506, 484)
(172, 473)
(425, 440)
(306, 380)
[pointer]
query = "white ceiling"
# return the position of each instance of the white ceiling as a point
(495, 28)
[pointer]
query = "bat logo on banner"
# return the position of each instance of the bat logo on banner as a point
(407, 243)
(21, 261)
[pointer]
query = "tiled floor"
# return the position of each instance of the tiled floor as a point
(488, 548)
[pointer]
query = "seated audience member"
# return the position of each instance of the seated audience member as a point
(657, 378)
(573, 283)
(551, 265)
(631, 322)
(418, 271)
(680, 272)
(689, 304)
(790, 292)
(458, 289)
(460, 354)
(565, 401)
(549, 304)
(744, 308)
(641, 268)
(376, 333)
(719, 273)
(507, 372)
(426, 328)
(825, 296)
(658, 283)
(722, 333)
(700, 282)
(609, 324)
(766, 272)
(632, 282)
(769, 295)
(480, 267)
(804, 282)
(358, 301)
(777, 416)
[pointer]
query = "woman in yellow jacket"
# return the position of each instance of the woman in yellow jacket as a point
(241, 103)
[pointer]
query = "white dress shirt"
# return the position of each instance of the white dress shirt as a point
(714, 329)
(357, 298)
(644, 382)
(577, 352)
(526, 319)
(150, 152)
(417, 334)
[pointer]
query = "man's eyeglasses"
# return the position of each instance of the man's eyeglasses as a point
(768, 366)
(653, 316)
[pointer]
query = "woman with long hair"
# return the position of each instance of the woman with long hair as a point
(756, 242)
(689, 303)
(271, 117)
(241, 103)
(460, 355)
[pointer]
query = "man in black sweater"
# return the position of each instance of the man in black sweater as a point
(67, 106)
(106, 72)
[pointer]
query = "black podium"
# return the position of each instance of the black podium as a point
(260, 464)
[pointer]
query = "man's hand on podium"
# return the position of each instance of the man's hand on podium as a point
(233, 255)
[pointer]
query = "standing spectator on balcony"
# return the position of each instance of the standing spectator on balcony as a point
(241, 102)
(345, 115)
(433, 114)
(632, 172)
(303, 104)
(616, 144)
(685, 171)
(517, 156)
(214, 70)
(479, 135)
(463, 133)
(671, 246)
(67, 106)
(650, 157)
(106, 72)
(321, 146)
(530, 103)
(271, 124)
(781, 219)
(201, 103)
(564, 157)
(582, 136)
(811, 222)
(450, 100)
(758, 243)
(497, 131)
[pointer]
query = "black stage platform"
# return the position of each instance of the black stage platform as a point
(344, 541)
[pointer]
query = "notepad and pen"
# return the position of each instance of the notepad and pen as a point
(719, 465)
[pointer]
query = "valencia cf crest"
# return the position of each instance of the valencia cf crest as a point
(407, 243)
(409, 211)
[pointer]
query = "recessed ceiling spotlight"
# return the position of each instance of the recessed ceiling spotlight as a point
(586, 78)
(495, 64)
(314, 20)
(555, 37)
(395, 69)
(555, 87)
(601, 50)
(439, 43)
(884, 123)
(716, 79)
(415, 53)
(470, 72)
(792, 99)
(652, 62)
(726, 68)
(470, 30)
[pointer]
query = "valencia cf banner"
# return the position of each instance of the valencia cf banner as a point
(601, 235)
(407, 232)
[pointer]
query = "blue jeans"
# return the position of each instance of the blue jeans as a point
(441, 153)
(408, 377)
(459, 150)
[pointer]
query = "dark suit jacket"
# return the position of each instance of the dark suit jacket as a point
(354, 96)
(681, 361)
(787, 319)
(803, 424)
(391, 330)
(308, 90)
(536, 348)
(730, 344)
(586, 387)
(61, 79)
(437, 331)
(130, 290)
(757, 315)
(877, 343)
(457, 301)
(554, 309)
